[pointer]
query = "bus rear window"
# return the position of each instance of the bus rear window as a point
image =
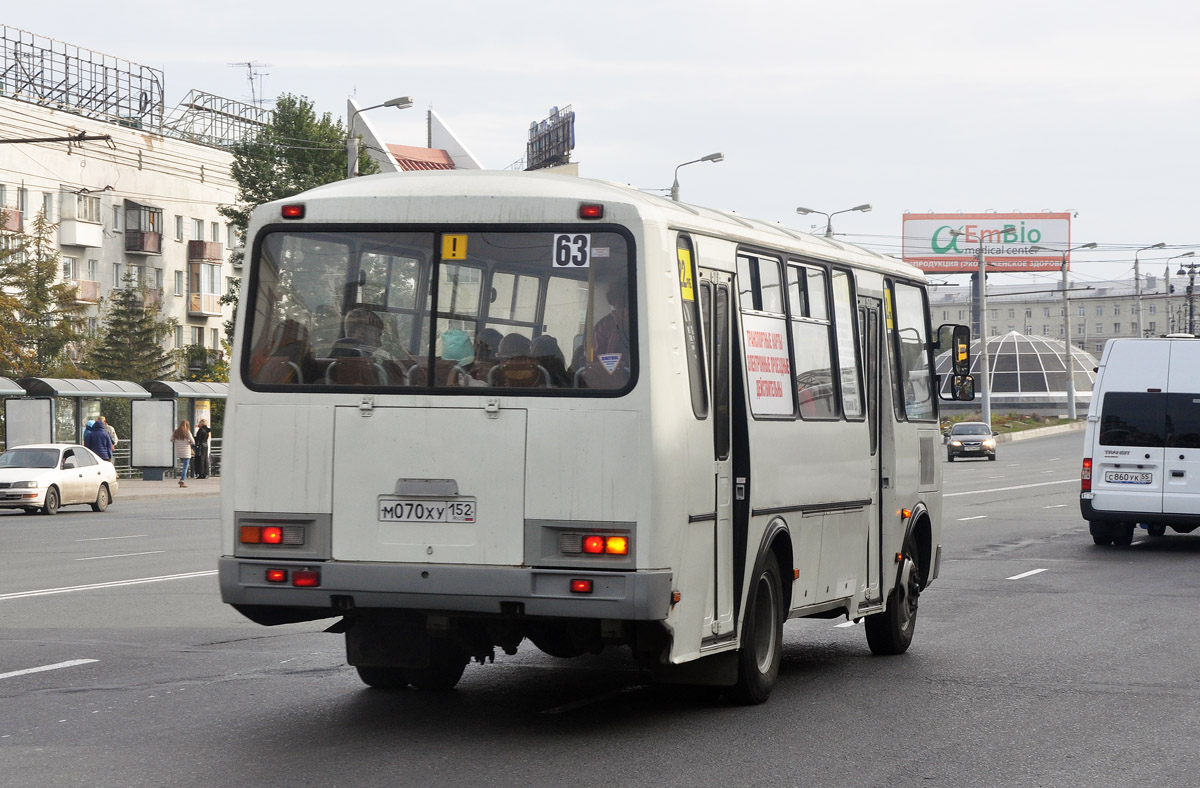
(545, 311)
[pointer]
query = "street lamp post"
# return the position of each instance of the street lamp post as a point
(400, 102)
(713, 157)
(829, 216)
(1190, 270)
(1180, 272)
(1068, 353)
(1137, 286)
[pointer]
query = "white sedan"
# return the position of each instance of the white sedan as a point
(46, 476)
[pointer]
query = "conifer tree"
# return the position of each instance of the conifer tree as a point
(130, 345)
(40, 319)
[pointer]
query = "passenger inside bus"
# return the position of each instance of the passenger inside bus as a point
(607, 363)
(517, 366)
(363, 335)
(358, 356)
(549, 356)
(487, 350)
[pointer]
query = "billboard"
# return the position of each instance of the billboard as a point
(1007, 240)
(551, 140)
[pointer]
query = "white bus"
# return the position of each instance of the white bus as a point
(473, 408)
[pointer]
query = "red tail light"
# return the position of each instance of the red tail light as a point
(1085, 475)
(581, 586)
(306, 578)
(292, 212)
(276, 575)
(593, 544)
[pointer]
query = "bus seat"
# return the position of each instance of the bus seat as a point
(593, 375)
(519, 372)
(356, 371)
(289, 355)
(447, 372)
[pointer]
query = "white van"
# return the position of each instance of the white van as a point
(1141, 459)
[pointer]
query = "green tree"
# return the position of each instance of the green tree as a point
(296, 152)
(131, 340)
(40, 320)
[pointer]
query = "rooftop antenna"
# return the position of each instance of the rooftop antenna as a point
(254, 72)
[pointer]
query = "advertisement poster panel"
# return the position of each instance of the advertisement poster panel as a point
(768, 367)
(1007, 240)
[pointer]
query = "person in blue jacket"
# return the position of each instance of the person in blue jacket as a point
(96, 438)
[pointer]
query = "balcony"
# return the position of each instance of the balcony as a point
(204, 251)
(204, 304)
(86, 291)
(12, 219)
(141, 242)
(76, 232)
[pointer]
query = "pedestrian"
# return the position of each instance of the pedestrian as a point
(112, 433)
(96, 439)
(183, 440)
(202, 435)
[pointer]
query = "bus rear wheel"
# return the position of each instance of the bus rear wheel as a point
(383, 678)
(762, 637)
(447, 661)
(891, 632)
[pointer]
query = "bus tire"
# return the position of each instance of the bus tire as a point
(762, 636)
(383, 677)
(891, 632)
(446, 665)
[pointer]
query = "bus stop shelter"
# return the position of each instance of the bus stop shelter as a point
(160, 415)
(39, 417)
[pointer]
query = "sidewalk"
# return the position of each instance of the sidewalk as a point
(139, 490)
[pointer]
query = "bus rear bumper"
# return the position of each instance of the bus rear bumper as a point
(509, 591)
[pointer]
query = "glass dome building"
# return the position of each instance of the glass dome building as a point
(1027, 375)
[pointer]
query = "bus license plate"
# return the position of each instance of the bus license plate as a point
(1123, 477)
(402, 510)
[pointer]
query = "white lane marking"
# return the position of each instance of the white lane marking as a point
(120, 555)
(1025, 574)
(1049, 471)
(1074, 480)
(589, 701)
(106, 538)
(976, 517)
(847, 624)
(113, 584)
(998, 477)
(56, 666)
(1055, 506)
(1054, 459)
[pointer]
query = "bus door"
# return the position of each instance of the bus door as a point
(871, 346)
(715, 305)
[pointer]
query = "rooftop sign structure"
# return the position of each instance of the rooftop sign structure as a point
(551, 140)
(1007, 240)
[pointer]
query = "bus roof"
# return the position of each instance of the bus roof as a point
(439, 185)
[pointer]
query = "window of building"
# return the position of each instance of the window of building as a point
(197, 229)
(233, 237)
(70, 266)
(1011, 327)
(1012, 313)
(179, 283)
(1116, 309)
(197, 336)
(93, 270)
(1045, 330)
(214, 338)
(1116, 328)
(178, 336)
(944, 314)
(215, 232)
(116, 274)
(1153, 309)
(118, 215)
(1083, 311)
(92, 324)
(1045, 311)
(1152, 326)
(1081, 329)
(48, 205)
(1099, 311)
(1099, 329)
(1028, 313)
(1099, 347)
(178, 227)
(158, 279)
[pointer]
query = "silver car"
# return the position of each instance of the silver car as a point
(45, 476)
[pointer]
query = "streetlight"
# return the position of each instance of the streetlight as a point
(1191, 290)
(713, 157)
(984, 361)
(1171, 315)
(829, 216)
(400, 102)
(1137, 287)
(1068, 354)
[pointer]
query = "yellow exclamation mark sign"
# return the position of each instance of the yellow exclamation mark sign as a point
(454, 247)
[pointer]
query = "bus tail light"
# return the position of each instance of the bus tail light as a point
(271, 534)
(581, 586)
(306, 578)
(1085, 475)
(276, 575)
(292, 211)
(591, 211)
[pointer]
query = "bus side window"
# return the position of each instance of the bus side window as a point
(693, 349)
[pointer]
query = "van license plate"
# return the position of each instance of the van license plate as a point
(402, 510)
(1123, 477)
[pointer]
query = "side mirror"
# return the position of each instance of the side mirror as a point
(962, 388)
(957, 339)
(68, 463)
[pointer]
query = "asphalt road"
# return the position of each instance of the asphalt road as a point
(1039, 660)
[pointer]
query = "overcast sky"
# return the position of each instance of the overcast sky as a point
(926, 105)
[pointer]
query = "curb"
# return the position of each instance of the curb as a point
(1041, 432)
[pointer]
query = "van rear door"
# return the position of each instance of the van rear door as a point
(1181, 482)
(1127, 469)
